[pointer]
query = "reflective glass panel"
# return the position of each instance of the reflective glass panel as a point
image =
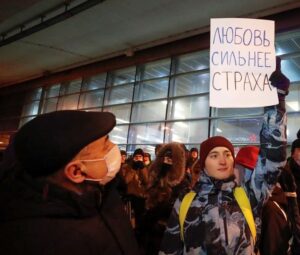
(94, 82)
(123, 147)
(293, 99)
(153, 89)
(122, 112)
(52, 91)
(146, 148)
(91, 99)
(192, 62)
(293, 126)
(68, 102)
(149, 111)
(186, 131)
(49, 105)
(243, 130)
(34, 94)
(70, 87)
(189, 84)
(31, 108)
(118, 95)
(150, 133)
(119, 134)
(218, 112)
(155, 69)
(287, 43)
(122, 76)
(187, 108)
(291, 68)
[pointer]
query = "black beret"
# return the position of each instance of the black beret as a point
(138, 152)
(295, 144)
(194, 149)
(49, 141)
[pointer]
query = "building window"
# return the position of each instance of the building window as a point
(168, 100)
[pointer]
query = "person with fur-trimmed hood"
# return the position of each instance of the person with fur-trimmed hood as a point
(166, 180)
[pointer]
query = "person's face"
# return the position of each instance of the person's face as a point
(93, 151)
(219, 163)
(138, 157)
(146, 159)
(296, 155)
(168, 160)
(123, 158)
(194, 154)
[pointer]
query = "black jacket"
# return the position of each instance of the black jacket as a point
(41, 218)
(276, 228)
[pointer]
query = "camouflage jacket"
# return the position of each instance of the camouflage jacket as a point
(214, 223)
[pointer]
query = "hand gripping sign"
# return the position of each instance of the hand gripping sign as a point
(242, 58)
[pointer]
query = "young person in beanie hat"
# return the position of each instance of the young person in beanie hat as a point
(214, 222)
(61, 200)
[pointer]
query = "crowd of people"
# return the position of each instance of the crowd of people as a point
(66, 188)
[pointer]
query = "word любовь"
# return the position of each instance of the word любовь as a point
(241, 36)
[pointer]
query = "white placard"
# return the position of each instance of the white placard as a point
(242, 58)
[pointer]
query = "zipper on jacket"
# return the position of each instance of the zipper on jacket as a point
(225, 230)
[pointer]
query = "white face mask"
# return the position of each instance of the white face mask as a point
(113, 162)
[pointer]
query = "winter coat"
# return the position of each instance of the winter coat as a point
(288, 179)
(214, 223)
(163, 190)
(165, 186)
(136, 180)
(295, 169)
(41, 218)
(276, 228)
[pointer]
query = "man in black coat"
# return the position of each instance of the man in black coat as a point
(60, 199)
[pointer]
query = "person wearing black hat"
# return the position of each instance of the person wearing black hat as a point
(192, 158)
(166, 181)
(136, 178)
(220, 216)
(62, 198)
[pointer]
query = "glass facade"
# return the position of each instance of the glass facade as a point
(168, 100)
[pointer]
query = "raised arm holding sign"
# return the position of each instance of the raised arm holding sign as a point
(215, 221)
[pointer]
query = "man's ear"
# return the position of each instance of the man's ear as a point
(74, 171)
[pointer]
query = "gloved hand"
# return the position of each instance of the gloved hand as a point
(280, 81)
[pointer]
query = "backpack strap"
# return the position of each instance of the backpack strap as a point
(183, 209)
(243, 202)
(241, 198)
